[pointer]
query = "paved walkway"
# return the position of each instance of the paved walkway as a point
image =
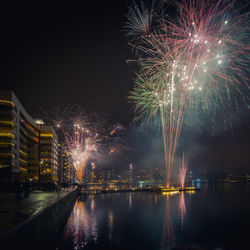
(14, 212)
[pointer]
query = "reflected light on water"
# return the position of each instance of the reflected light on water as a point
(156, 199)
(110, 223)
(170, 193)
(81, 225)
(168, 237)
(182, 209)
(92, 204)
(145, 220)
(190, 192)
(130, 200)
(171, 207)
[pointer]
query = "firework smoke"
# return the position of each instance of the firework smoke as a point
(194, 64)
(81, 146)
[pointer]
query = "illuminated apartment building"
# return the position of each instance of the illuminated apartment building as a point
(48, 145)
(60, 163)
(68, 173)
(19, 144)
(18, 140)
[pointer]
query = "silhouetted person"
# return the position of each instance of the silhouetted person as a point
(26, 188)
(18, 189)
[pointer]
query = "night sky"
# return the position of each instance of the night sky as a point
(72, 53)
(75, 53)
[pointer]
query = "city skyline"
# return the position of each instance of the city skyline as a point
(125, 124)
(78, 54)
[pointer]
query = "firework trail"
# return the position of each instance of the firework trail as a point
(192, 65)
(81, 145)
(86, 138)
(117, 128)
(182, 172)
(81, 134)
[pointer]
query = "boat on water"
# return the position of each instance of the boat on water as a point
(176, 189)
(188, 189)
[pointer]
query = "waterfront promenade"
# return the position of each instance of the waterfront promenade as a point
(13, 212)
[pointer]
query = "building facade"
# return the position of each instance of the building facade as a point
(27, 150)
(68, 172)
(48, 153)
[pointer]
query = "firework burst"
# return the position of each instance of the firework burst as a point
(81, 145)
(81, 134)
(194, 64)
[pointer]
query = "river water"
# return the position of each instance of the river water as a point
(215, 217)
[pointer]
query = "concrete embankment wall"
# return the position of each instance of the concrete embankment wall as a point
(45, 223)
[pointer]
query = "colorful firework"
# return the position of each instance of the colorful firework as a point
(81, 146)
(86, 138)
(182, 172)
(192, 65)
(117, 127)
(81, 133)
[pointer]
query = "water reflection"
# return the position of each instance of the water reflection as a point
(144, 220)
(175, 204)
(110, 224)
(182, 209)
(168, 237)
(90, 222)
(92, 204)
(82, 224)
(130, 200)
(156, 199)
